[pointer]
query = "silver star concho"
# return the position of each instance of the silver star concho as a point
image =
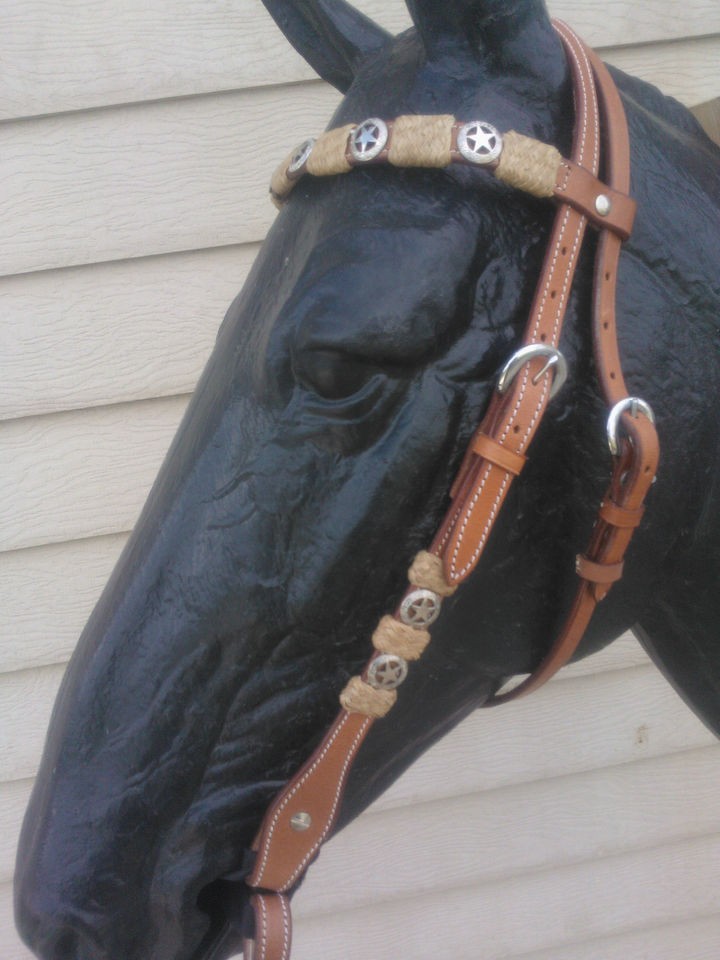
(479, 142)
(387, 671)
(368, 139)
(420, 608)
(300, 157)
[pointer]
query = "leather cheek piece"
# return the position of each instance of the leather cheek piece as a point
(272, 937)
(489, 449)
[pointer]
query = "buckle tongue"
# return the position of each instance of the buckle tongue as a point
(635, 406)
(555, 360)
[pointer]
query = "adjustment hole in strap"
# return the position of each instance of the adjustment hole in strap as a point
(598, 572)
(489, 449)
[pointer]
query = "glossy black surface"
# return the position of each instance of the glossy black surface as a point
(315, 459)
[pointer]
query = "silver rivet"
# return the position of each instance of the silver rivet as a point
(368, 139)
(479, 142)
(300, 157)
(301, 821)
(603, 204)
(420, 608)
(387, 671)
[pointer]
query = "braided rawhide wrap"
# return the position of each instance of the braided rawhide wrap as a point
(397, 639)
(430, 141)
(359, 697)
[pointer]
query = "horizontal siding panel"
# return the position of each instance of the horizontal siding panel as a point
(46, 596)
(183, 175)
(574, 725)
(27, 699)
(83, 474)
(149, 179)
(567, 727)
(688, 70)
(697, 939)
(499, 920)
(571, 728)
(483, 838)
(113, 332)
(14, 797)
(48, 592)
(489, 837)
(101, 334)
(122, 51)
(619, 655)
(14, 794)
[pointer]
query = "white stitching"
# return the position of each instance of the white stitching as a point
(572, 43)
(321, 839)
(291, 794)
(574, 46)
(286, 800)
(263, 943)
(286, 928)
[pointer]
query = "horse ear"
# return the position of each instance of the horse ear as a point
(331, 35)
(510, 33)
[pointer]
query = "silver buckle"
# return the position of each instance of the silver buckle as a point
(635, 405)
(555, 361)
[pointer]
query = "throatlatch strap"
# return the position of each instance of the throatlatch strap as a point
(302, 816)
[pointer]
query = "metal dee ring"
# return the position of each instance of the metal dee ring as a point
(635, 405)
(555, 360)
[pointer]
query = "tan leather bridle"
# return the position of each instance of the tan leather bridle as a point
(301, 817)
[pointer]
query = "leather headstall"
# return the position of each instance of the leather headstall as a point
(302, 816)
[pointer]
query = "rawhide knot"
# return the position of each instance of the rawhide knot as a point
(397, 638)
(427, 572)
(360, 697)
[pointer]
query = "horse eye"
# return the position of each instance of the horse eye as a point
(333, 376)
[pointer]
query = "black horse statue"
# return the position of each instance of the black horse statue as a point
(316, 457)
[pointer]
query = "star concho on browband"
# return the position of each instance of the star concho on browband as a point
(437, 141)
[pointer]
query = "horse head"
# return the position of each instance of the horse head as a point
(315, 459)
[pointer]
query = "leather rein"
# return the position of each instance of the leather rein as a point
(302, 816)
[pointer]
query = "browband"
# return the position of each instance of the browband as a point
(436, 141)
(301, 817)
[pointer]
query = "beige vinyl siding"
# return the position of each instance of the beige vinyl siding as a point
(124, 51)
(137, 142)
